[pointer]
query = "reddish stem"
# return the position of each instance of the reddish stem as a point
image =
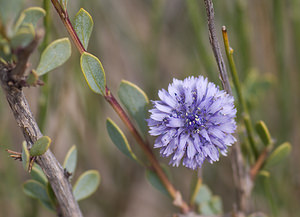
(259, 163)
(66, 21)
(119, 110)
(145, 146)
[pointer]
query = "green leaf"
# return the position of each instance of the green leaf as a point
(50, 193)
(93, 72)
(63, 4)
(30, 16)
(135, 101)
(119, 139)
(206, 209)
(211, 207)
(204, 195)
(263, 132)
(32, 78)
(156, 182)
(278, 154)
(36, 190)
(86, 184)
(40, 146)
(25, 156)
(54, 55)
(38, 175)
(83, 25)
(216, 205)
(23, 36)
(71, 160)
(48, 205)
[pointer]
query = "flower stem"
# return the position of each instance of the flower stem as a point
(197, 187)
(176, 195)
(241, 99)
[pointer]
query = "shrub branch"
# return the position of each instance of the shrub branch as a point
(10, 77)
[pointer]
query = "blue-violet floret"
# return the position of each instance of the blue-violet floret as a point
(194, 120)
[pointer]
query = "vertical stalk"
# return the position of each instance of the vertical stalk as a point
(237, 85)
(44, 95)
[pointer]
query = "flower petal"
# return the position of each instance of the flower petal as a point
(175, 122)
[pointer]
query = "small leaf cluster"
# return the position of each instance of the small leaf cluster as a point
(37, 149)
(90, 65)
(22, 34)
(275, 155)
(39, 188)
(206, 203)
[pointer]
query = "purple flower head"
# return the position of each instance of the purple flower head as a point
(194, 121)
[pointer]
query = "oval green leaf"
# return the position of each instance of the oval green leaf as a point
(216, 205)
(83, 25)
(25, 156)
(204, 195)
(38, 175)
(48, 205)
(57, 53)
(40, 146)
(119, 139)
(205, 209)
(36, 190)
(263, 132)
(86, 184)
(154, 180)
(23, 37)
(93, 72)
(50, 193)
(278, 154)
(71, 160)
(135, 101)
(30, 16)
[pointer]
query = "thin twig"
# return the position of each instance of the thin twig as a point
(23, 55)
(155, 164)
(175, 194)
(216, 46)
(66, 21)
(239, 172)
(259, 163)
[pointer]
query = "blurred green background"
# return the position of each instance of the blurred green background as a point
(149, 43)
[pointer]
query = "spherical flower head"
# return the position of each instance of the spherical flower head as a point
(194, 120)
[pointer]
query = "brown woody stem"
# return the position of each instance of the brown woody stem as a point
(68, 206)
